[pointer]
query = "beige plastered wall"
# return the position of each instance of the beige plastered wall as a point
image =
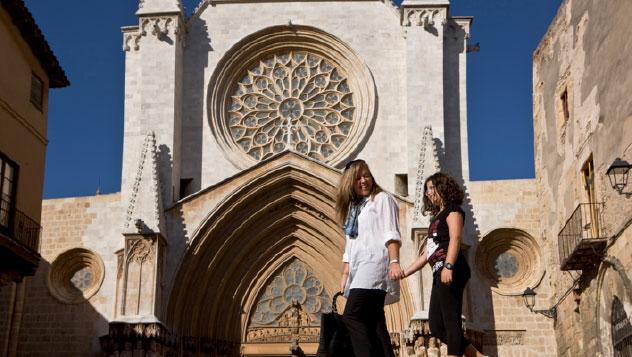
(22, 126)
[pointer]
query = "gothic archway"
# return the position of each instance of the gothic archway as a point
(285, 214)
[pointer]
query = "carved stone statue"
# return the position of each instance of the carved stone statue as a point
(433, 350)
(420, 348)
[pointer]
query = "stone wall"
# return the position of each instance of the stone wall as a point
(401, 59)
(585, 54)
(508, 211)
(56, 328)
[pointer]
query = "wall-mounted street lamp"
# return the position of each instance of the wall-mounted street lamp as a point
(529, 300)
(618, 174)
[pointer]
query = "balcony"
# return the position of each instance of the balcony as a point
(19, 246)
(23, 229)
(581, 242)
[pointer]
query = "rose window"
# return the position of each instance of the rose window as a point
(509, 261)
(293, 100)
(294, 284)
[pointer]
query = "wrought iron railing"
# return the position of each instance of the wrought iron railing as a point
(582, 229)
(22, 228)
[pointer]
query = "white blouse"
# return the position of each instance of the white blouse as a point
(367, 254)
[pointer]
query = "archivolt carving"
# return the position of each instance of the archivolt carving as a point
(261, 224)
(290, 88)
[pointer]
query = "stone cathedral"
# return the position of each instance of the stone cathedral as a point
(237, 123)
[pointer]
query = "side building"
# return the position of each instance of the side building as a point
(583, 144)
(28, 69)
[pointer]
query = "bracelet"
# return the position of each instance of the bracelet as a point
(393, 261)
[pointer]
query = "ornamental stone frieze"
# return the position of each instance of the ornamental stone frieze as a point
(161, 27)
(426, 17)
(131, 38)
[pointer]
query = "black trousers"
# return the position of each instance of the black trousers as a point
(446, 307)
(365, 321)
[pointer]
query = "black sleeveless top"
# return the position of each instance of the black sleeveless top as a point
(439, 237)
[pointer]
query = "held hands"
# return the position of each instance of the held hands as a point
(395, 271)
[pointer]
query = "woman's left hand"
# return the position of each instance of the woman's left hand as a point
(446, 276)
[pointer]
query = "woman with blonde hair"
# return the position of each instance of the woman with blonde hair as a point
(371, 272)
(443, 198)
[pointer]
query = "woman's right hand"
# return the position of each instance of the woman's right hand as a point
(343, 282)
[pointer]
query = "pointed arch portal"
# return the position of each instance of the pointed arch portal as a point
(282, 219)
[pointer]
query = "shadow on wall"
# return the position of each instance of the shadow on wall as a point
(451, 160)
(193, 93)
(178, 247)
(49, 327)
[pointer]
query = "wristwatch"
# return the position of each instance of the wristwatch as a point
(448, 266)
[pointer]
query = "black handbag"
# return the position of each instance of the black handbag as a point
(334, 339)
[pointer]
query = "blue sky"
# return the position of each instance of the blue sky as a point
(86, 119)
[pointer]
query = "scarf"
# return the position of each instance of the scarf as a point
(351, 223)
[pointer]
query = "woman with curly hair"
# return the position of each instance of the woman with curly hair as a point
(443, 198)
(371, 270)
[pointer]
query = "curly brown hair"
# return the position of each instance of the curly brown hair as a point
(448, 189)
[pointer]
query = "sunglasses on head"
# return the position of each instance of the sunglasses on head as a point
(352, 162)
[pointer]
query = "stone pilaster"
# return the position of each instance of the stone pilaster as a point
(423, 22)
(153, 90)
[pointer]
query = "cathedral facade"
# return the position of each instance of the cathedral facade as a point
(222, 240)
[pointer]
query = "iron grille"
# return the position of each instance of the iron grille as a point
(582, 237)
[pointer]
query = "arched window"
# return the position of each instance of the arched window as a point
(621, 330)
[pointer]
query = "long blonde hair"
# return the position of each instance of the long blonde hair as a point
(346, 193)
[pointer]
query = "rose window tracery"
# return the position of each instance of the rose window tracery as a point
(82, 279)
(294, 284)
(292, 100)
(506, 265)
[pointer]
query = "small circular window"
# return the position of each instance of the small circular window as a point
(75, 275)
(509, 261)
